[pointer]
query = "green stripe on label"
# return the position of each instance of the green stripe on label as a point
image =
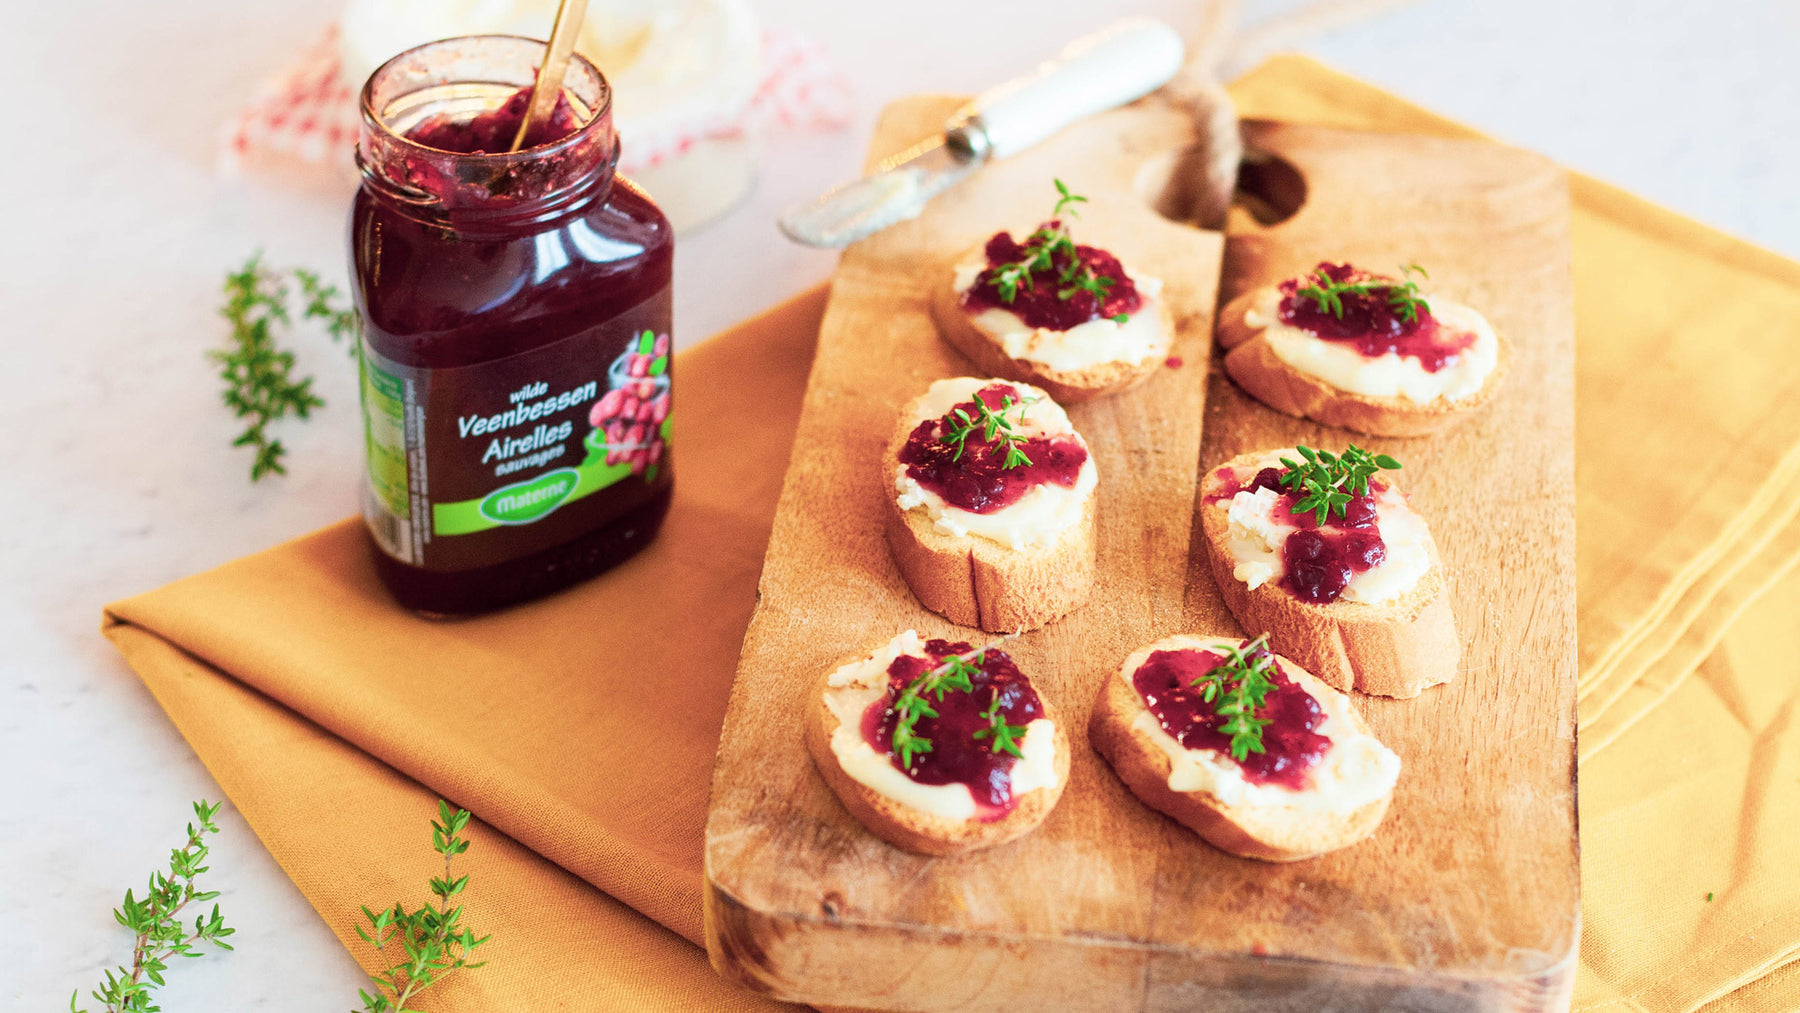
(384, 432)
(536, 498)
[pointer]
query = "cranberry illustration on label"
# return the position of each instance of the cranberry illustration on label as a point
(629, 419)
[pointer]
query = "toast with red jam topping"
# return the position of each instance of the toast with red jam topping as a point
(938, 748)
(991, 505)
(1243, 747)
(1355, 592)
(1044, 310)
(1361, 351)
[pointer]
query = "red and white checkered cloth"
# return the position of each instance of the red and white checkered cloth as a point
(309, 111)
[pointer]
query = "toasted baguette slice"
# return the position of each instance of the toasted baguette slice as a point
(1248, 827)
(1396, 648)
(972, 580)
(1254, 365)
(917, 830)
(1071, 386)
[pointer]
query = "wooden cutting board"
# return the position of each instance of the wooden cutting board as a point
(1467, 898)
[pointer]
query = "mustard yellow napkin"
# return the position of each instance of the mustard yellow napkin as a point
(1701, 798)
(581, 729)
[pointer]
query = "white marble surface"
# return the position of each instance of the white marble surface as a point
(114, 471)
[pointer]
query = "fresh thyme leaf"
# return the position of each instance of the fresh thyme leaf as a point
(157, 923)
(1040, 251)
(1009, 279)
(955, 673)
(1084, 281)
(1066, 201)
(341, 322)
(1402, 294)
(993, 425)
(1237, 689)
(433, 942)
(1005, 736)
(260, 385)
(1332, 481)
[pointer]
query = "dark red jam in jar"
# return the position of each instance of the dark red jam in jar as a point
(1043, 302)
(957, 755)
(1371, 321)
(516, 343)
(492, 132)
(973, 475)
(1292, 746)
(1320, 559)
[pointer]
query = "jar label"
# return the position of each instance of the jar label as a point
(475, 465)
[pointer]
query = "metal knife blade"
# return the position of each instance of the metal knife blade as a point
(897, 190)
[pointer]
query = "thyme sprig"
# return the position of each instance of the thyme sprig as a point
(1004, 737)
(1402, 293)
(433, 941)
(993, 425)
(260, 385)
(1237, 689)
(1041, 249)
(955, 673)
(1332, 480)
(156, 921)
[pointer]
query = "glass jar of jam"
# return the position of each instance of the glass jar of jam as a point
(516, 343)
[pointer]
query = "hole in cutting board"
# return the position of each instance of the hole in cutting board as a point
(1269, 189)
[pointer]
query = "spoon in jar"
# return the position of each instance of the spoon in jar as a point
(548, 87)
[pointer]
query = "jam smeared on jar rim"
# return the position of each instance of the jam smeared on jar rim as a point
(1371, 322)
(492, 132)
(979, 481)
(1319, 560)
(956, 755)
(1042, 302)
(1167, 682)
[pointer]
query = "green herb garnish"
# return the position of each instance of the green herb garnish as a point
(955, 673)
(1330, 480)
(1005, 737)
(156, 920)
(433, 940)
(1402, 294)
(1237, 689)
(993, 425)
(260, 385)
(1041, 249)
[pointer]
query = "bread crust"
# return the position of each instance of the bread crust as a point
(1267, 833)
(911, 829)
(1253, 364)
(1397, 648)
(972, 581)
(1072, 386)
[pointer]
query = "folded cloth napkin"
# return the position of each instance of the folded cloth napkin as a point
(581, 729)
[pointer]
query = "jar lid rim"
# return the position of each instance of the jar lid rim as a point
(602, 113)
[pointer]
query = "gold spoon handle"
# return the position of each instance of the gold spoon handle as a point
(548, 87)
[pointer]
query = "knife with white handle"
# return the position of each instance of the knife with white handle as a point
(1109, 68)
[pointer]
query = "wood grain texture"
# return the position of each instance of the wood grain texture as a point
(1465, 899)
